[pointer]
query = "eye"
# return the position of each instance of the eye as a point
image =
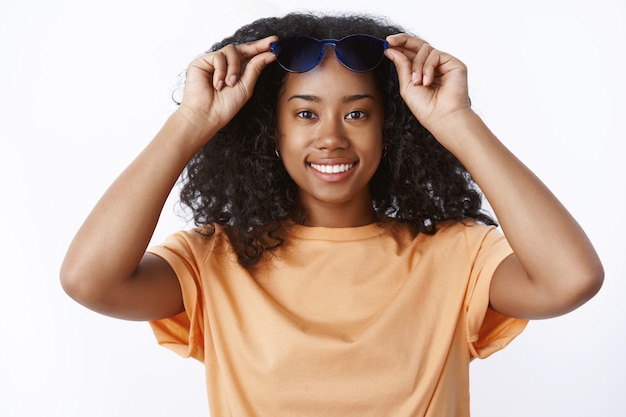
(306, 114)
(356, 115)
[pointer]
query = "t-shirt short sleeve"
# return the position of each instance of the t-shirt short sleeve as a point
(182, 333)
(487, 330)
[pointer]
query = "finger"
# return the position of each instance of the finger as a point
(254, 68)
(250, 49)
(402, 63)
(415, 49)
(238, 56)
(398, 40)
(214, 65)
(406, 43)
(430, 66)
(423, 69)
(200, 70)
(229, 73)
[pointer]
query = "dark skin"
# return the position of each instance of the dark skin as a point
(329, 116)
(331, 119)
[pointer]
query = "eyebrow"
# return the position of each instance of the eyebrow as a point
(317, 99)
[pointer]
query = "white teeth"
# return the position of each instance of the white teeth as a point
(332, 169)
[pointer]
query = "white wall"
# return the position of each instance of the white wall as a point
(85, 85)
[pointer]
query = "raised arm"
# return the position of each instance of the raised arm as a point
(555, 268)
(106, 267)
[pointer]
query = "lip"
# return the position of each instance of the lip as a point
(332, 170)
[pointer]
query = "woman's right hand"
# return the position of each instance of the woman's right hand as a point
(219, 83)
(106, 268)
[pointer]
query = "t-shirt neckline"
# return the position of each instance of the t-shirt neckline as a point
(336, 233)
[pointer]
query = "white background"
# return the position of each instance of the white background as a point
(85, 85)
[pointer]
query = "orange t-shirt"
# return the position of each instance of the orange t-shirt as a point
(365, 321)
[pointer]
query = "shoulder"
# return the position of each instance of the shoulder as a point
(449, 229)
(467, 236)
(197, 242)
(469, 228)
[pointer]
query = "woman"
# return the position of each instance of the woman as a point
(341, 264)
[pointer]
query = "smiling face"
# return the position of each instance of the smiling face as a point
(330, 123)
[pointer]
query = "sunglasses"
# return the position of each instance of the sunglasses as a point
(359, 53)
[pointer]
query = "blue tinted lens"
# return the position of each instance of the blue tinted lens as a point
(360, 53)
(298, 53)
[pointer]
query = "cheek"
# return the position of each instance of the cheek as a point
(375, 144)
(289, 144)
(292, 138)
(290, 149)
(285, 134)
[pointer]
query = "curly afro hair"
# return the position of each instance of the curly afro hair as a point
(237, 181)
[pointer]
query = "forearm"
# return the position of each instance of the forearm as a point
(555, 252)
(112, 240)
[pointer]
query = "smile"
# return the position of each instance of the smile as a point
(332, 169)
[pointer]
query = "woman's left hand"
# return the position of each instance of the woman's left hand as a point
(554, 268)
(432, 83)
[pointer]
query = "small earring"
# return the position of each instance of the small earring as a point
(277, 153)
(385, 151)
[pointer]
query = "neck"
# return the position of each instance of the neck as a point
(350, 214)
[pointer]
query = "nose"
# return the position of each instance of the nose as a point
(331, 135)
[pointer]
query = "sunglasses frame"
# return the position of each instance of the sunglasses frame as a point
(275, 48)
